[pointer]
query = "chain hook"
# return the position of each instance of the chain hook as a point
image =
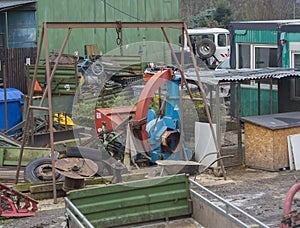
(119, 33)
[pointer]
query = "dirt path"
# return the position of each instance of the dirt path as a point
(259, 193)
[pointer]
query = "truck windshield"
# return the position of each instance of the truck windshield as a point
(199, 37)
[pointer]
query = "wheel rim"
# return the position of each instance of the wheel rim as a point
(44, 172)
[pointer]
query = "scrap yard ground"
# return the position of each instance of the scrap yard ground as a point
(259, 193)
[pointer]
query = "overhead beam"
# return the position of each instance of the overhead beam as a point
(114, 24)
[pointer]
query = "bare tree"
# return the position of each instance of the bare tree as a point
(246, 10)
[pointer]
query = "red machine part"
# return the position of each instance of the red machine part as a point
(113, 117)
(290, 218)
(147, 94)
(15, 204)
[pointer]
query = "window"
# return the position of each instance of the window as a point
(295, 82)
(221, 40)
(243, 56)
(265, 57)
(296, 61)
(256, 56)
(203, 36)
(295, 89)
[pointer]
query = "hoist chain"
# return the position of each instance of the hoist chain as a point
(119, 33)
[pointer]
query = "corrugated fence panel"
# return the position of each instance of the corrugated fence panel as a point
(65, 80)
(16, 59)
(256, 36)
(135, 202)
(249, 101)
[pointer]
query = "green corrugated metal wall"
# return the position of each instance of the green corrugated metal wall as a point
(256, 36)
(109, 11)
(249, 101)
(290, 37)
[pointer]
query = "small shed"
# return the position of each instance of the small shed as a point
(254, 106)
(17, 40)
(266, 144)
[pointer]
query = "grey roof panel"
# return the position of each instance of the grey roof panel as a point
(275, 121)
(8, 4)
(215, 77)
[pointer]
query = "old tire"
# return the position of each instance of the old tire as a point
(206, 48)
(40, 170)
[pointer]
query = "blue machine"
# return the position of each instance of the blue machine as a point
(164, 131)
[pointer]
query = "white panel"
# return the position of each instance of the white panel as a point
(294, 46)
(204, 143)
(291, 156)
(294, 151)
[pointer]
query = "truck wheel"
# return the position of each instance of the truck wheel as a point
(40, 170)
(206, 48)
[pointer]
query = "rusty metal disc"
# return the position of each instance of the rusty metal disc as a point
(76, 168)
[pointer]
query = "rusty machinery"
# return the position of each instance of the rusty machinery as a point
(15, 204)
(154, 137)
(140, 116)
(75, 170)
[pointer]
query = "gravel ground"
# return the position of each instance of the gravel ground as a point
(259, 193)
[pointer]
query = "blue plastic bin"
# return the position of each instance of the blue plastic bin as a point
(14, 99)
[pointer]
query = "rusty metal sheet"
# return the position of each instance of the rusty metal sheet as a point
(76, 168)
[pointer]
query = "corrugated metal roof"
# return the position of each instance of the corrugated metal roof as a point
(12, 4)
(215, 77)
(260, 25)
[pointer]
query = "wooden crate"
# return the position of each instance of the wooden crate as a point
(266, 148)
(91, 50)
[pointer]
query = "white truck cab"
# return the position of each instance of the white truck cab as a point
(210, 44)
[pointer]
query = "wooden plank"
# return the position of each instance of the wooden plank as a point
(258, 147)
(25, 187)
(1, 156)
(11, 154)
(281, 159)
(91, 50)
(46, 195)
(45, 187)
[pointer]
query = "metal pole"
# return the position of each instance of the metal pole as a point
(294, 9)
(4, 74)
(25, 130)
(5, 97)
(50, 112)
(271, 96)
(177, 62)
(205, 102)
(56, 61)
(239, 121)
(258, 97)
